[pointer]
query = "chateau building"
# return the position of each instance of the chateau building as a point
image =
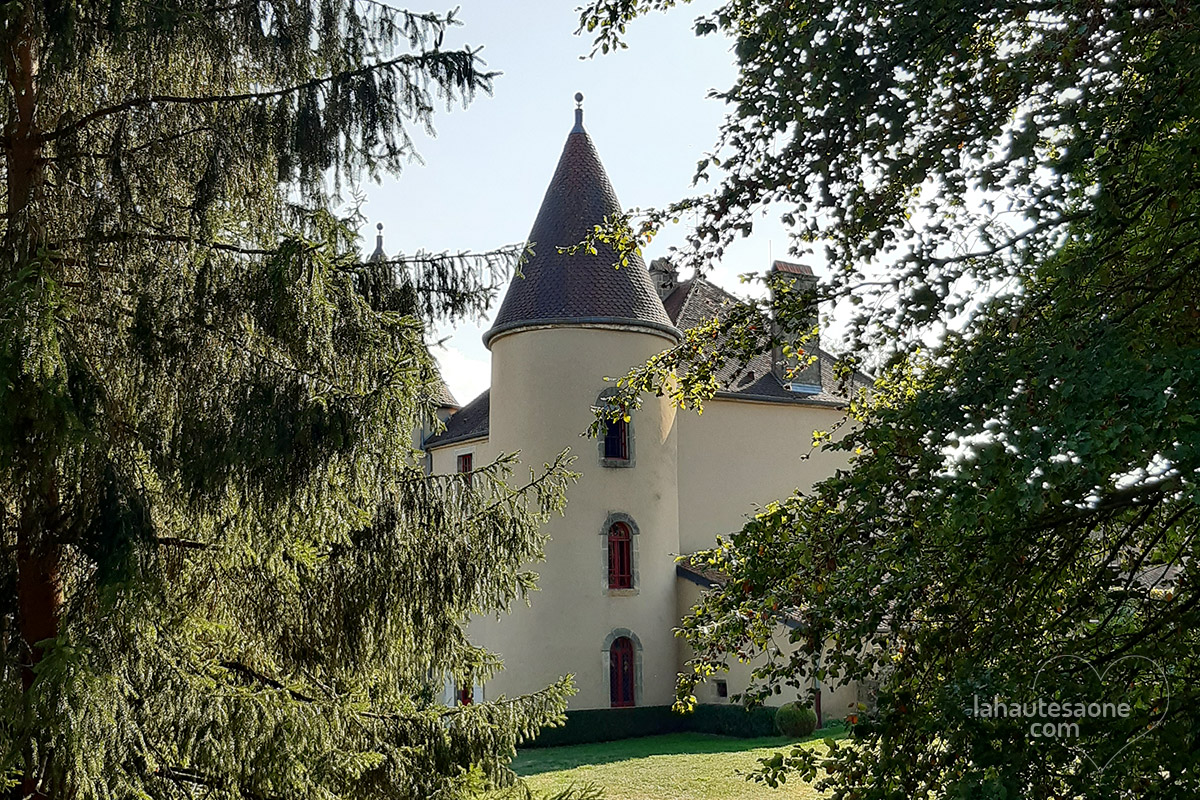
(665, 484)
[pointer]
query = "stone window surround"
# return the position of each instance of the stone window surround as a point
(616, 463)
(613, 518)
(606, 663)
(466, 450)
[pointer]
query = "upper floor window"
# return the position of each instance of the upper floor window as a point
(616, 440)
(465, 465)
(620, 556)
(616, 444)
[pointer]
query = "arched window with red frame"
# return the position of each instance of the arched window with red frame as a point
(621, 672)
(620, 556)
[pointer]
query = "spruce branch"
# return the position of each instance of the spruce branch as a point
(422, 61)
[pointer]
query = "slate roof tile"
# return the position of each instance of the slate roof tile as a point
(697, 301)
(559, 288)
(469, 422)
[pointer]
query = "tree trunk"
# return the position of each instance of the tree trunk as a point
(39, 555)
(39, 611)
(39, 600)
(23, 156)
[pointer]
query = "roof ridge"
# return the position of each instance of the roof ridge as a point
(688, 293)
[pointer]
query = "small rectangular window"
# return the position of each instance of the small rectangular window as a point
(465, 465)
(722, 689)
(616, 440)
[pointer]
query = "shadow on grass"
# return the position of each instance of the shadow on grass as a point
(554, 759)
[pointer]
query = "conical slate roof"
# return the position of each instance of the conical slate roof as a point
(560, 289)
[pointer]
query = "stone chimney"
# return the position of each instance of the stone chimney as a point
(799, 279)
(665, 277)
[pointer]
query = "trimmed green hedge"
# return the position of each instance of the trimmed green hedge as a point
(610, 724)
(734, 720)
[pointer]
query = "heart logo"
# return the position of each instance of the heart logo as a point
(1100, 676)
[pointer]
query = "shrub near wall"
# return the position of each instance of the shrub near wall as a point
(610, 724)
(795, 721)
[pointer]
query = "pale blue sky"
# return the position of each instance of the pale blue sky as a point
(486, 171)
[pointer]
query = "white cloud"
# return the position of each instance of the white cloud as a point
(465, 375)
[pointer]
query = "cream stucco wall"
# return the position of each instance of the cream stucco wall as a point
(738, 456)
(837, 699)
(694, 477)
(734, 459)
(544, 385)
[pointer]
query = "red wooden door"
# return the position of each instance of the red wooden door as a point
(620, 659)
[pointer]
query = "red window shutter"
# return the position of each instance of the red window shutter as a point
(621, 677)
(620, 557)
(466, 695)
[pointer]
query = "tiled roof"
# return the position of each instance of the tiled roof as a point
(698, 572)
(697, 301)
(558, 288)
(673, 302)
(692, 303)
(789, 267)
(443, 396)
(1163, 577)
(470, 422)
(694, 569)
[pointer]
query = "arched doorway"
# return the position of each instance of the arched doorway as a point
(621, 672)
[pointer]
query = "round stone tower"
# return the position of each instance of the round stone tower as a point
(606, 605)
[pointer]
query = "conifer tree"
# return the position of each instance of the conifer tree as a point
(224, 572)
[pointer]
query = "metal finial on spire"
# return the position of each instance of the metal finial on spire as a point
(378, 255)
(578, 113)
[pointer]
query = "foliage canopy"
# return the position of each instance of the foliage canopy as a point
(1018, 180)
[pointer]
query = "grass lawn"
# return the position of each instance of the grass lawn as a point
(682, 766)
